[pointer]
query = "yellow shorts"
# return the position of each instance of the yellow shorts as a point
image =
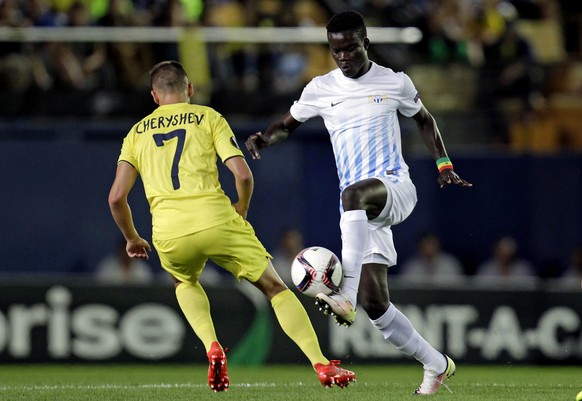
(232, 246)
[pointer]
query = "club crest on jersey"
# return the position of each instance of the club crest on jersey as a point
(377, 99)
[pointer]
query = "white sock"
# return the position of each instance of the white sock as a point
(397, 329)
(354, 229)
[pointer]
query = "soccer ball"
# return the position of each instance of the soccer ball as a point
(316, 270)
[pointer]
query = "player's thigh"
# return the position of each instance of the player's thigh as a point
(400, 202)
(184, 257)
(239, 251)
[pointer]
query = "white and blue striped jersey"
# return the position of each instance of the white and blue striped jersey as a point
(362, 120)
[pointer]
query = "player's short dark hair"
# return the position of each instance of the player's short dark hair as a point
(348, 21)
(168, 76)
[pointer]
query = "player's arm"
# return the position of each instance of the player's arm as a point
(433, 140)
(244, 182)
(278, 131)
(125, 177)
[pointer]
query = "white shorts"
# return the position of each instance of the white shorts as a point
(400, 203)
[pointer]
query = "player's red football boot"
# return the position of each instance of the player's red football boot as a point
(217, 373)
(333, 373)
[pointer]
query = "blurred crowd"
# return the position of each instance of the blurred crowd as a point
(518, 54)
(505, 265)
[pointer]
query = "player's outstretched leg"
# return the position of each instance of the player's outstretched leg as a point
(217, 370)
(432, 380)
(338, 306)
(333, 374)
(296, 324)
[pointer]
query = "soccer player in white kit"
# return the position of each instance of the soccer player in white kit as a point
(359, 103)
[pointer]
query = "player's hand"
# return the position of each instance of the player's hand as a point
(138, 248)
(255, 142)
(449, 177)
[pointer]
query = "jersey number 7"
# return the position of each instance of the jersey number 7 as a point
(161, 138)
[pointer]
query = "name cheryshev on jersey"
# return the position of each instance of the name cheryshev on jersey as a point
(158, 122)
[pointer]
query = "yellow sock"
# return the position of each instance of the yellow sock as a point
(296, 324)
(196, 307)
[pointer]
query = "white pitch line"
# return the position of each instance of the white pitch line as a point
(128, 387)
(47, 387)
(532, 385)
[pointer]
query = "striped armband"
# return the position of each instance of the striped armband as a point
(444, 163)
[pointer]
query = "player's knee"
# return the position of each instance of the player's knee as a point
(352, 199)
(369, 195)
(374, 307)
(270, 285)
(275, 289)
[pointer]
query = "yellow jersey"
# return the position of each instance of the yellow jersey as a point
(175, 151)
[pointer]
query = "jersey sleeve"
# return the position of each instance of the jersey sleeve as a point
(410, 102)
(306, 107)
(127, 151)
(224, 139)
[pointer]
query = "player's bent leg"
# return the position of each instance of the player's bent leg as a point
(295, 322)
(337, 305)
(218, 379)
(354, 230)
(396, 328)
(432, 380)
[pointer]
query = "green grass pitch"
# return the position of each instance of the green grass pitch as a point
(273, 383)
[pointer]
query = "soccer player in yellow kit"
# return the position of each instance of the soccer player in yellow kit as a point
(175, 151)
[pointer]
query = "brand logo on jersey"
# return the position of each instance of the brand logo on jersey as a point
(417, 97)
(377, 99)
(333, 104)
(234, 142)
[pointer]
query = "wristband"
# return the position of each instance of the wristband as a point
(444, 163)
